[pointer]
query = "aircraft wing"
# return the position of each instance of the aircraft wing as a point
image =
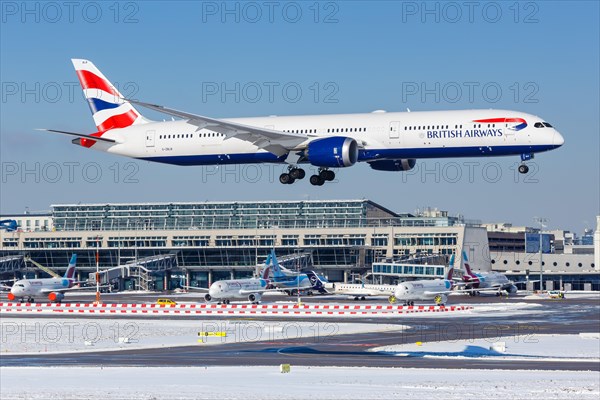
(514, 283)
(201, 289)
(244, 292)
(273, 141)
(72, 289)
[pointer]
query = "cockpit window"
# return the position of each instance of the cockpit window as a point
(539, 125)
(19, 285)
(547, 125)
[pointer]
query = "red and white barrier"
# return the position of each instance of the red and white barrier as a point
(224, 309)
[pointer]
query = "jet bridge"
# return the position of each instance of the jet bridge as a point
(141, 270)
(12, 263)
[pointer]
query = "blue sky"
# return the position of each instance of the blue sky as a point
(318, 58)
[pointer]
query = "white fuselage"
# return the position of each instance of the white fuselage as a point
(358, 289)
(38, 287)
(492, 280)
(422, 289)
(380, 135)
(235, 288)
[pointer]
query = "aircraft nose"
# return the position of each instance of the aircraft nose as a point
(557, 139)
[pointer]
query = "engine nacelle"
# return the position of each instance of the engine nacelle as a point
(254, 297)
(393, 165)
(56, 297)
(334, 152)
(512, 289)
(207, 297)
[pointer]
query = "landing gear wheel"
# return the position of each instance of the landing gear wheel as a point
(327, 175)
(363, 298)
(523, 169)
(316, 180)
(297, 173)
(286, 179)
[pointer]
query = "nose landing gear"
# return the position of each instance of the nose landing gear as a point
(523, 169)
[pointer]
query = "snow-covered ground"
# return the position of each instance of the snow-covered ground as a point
(27, 335)
(572, 294)
(582, 347)
(301, 383)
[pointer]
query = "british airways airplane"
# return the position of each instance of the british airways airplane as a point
(386, 141)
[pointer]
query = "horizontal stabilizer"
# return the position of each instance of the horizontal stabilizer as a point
(81, 135)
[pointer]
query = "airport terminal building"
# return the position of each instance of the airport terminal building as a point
(163, 245)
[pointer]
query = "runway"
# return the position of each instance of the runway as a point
(552, 317)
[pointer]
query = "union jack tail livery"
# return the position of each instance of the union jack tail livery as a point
(109, 110)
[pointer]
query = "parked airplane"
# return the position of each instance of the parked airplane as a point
(250, 289)
(360, 291)
(292, 281)
(491, 282)
(386, 141)
(432, 289)
(54, 288)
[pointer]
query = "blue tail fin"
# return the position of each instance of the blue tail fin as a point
(277, 272)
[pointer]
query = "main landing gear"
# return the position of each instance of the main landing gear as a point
(325, 175)
(294, 173)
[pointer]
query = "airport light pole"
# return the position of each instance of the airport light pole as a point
(97, 269)
(541, 221)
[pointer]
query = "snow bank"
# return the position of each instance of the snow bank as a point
(582, 347)
(301, 383)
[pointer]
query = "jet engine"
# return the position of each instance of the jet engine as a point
(512, 289)
(56, 297)
(254, 297)
(393, 165)
(207, 297)
(334, 152)
(440, 299)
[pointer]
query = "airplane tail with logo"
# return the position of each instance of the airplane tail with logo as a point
(451, 270)
(109, 110)
(317, 282)
(467, 266)
(277, 272)
(70, 272)
(263, 273)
